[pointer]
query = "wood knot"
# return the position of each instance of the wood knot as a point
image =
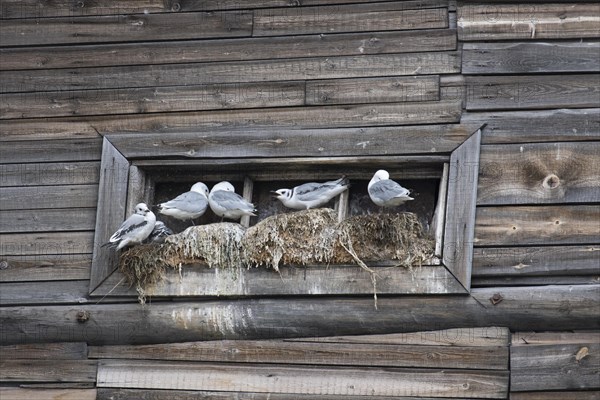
(176, 7)
(496, 298)
(82, 316)
(551, 182)
(4, 264)
(582, 353)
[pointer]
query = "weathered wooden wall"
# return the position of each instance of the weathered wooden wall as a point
(71, 72)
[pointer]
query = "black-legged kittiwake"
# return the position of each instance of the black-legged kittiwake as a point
(226, 203)
(189, 205)
(135, 229)
(159, 233)
(311, 195)
(385, 192)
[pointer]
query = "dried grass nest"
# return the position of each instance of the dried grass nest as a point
(301, 238)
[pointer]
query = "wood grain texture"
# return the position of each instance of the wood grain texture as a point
(537, 126)
(45, 267)
(530, 57)
(36, 197)
(149, 100)
(18, 393)
(239, 49)
(111, 212)
(315, 353)
(119, 28)
(535, 261)
(528, 21)
(580, 395)
(36, 174)
(304, 380)
(46, 351)
(539, 173)
(375, 90)
(554, 338)
(522, 308)
(532, 91)
(199, 280)
(154, 76)
(536, 225)
(555, 367)
(514, 281)
(50, 243)
(48, 370)
(350, 18)
(48, 293)
(20, 152)
(291, 142)
(47, 220)
(205, 121)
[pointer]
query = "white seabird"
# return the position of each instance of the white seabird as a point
(189, 205)
(135, 229)
(385, 192)
(311, 195)
(226, 203)
(159, 233)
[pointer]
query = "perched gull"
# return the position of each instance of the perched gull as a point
(188, 205)
(311, 195)
(159, 233)
(227, 204)
(135, 229)
(385, 192)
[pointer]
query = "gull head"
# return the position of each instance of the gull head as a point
(380, 175)
(226, 186)
(282, 194)
(201, 188)
(142, 209)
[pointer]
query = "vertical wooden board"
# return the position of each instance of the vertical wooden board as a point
(302, 380)
(121, 28)
(460, 210)
(539, 173)
(376, 90)
(18, 393)
(112, 197)
(536, 57)
(532, 91)
(346, 18)
(528, 21)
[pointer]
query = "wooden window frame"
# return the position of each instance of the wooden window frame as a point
(124, 182)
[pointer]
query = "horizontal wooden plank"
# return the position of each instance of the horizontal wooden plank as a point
(239, 49)
(539, 173)
(490, 336)
(535, 261)
(537, 126)
(530, 92)
(42, 244)
(19, 393)
(120, 28)
(154, 76)
(48, 370)
(350, 18)
(530, 57)
(36, 197)
(579, 395)
(46, 351)
(28, 151)
(79, 219)
(553, 338)
(521, 308)
(36, 174)
(48, 293)
(315, 353)
(536, 225)
(372, 90)
(499, 281)
(555, 367)
(304, 380)
(528, 21)
(160, 394)
(65, 8)
(330, 280)
(146, 100)
(210, 121)
(45, 267)
(295, 142)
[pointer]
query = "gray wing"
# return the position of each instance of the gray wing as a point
(387, 189)
(191, 202)
(159, 233)
(312, 191)
(232, 201)
(131, 224)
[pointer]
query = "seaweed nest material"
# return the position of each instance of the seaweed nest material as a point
(309, 237)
